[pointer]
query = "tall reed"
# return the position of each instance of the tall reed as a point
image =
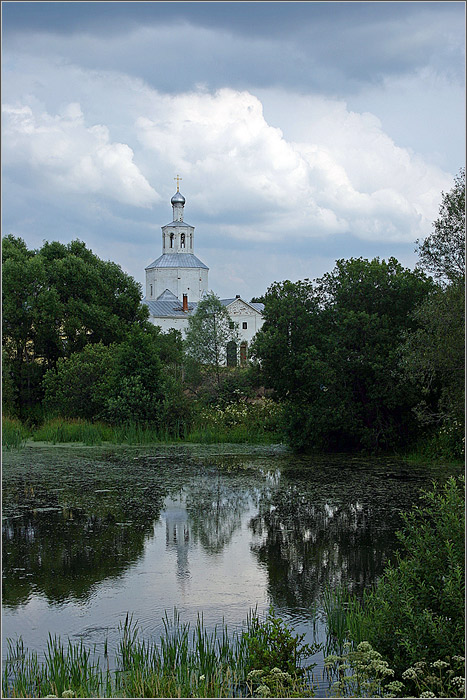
(14, 433)
(186, 663)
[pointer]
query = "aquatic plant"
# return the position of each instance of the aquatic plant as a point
(186, 663)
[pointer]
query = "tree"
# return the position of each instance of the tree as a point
(210, 328)
(433, 355)
(57, 300)
(443, 253)
(329, 349)
(122, 382)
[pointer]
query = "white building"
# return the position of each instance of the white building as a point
(177, 281)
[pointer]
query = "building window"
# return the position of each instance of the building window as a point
(151, 289)
(191, 240)
(244, 325)
(182, 240)
(171, 240)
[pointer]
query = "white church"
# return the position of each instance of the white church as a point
(177, 281)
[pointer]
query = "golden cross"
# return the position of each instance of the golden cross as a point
(177, 179)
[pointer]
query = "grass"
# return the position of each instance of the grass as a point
(345, 618)
(188, 662)
(65, 430)
(14, 433)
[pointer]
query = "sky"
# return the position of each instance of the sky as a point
(304, 132)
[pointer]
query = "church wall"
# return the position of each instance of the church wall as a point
(180, 281)
(166, 324)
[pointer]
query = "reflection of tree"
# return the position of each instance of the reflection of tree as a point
(64, 552)
(215, 506)
(308, 536)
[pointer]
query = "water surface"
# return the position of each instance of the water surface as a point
(91, 534)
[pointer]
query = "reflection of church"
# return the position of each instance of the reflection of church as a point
(177, 534)
(177, 281)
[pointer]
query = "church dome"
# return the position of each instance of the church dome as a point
(177, 199)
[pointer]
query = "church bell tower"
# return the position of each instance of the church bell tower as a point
(177, 269)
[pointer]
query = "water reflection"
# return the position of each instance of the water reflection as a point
(77, 521)
(63, 552)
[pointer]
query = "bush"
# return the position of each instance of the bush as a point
(416, 611)
(271, 644)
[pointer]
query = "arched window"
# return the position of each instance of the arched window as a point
(171, 240)
(191, 240)
(182, 240)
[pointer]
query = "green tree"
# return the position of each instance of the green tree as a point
(80, 385)
(443, 253)
(57, 300)
(210, 328)
(433, 355)
(329, 349)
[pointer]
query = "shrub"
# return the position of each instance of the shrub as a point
(271, 644)
(416, 611)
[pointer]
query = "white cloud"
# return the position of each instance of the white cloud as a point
(71, 157)
(345, 175)
(272, 175)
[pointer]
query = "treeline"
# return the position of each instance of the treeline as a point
(370, 356)
(77, 341)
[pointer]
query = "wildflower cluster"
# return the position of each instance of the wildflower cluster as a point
(449, 441)
(276, 684)
(264, 414)
(362, 672)
(439, 679)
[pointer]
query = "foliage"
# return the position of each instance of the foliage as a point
(277, 684)
(329, 350)
(368, 675)
(79, 386)
(209, 332)
(271, 644)
(416, 611)
(120, 383)
(186, 663)
(362, 672)
(57, 300)
(443, 253)
(14, 433)
(438, 679)
(433, 355)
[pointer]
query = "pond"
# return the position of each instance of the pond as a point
(93, 533)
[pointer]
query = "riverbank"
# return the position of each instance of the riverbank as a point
(242, 426)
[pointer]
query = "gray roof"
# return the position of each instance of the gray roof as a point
(258, 306)
(169, 309)
(168, 306)
(167, 295)
(178, 223)
(178, 260)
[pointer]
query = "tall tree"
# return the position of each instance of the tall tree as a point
(329, 349)
(210, 328)
(443, 253)
(433, 356)
(56, 300)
